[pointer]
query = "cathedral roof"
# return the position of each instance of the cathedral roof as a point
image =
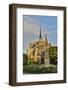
(37, 42)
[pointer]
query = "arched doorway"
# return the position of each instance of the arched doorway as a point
(42, 60)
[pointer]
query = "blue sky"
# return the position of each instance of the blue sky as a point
(32, 26)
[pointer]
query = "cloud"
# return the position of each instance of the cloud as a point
(32, 27)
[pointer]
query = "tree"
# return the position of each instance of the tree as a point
(25, 59)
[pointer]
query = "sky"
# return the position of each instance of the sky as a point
(31, 29)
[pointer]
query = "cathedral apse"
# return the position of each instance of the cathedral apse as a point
(39, 44)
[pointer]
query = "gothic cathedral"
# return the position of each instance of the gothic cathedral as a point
(38, 51)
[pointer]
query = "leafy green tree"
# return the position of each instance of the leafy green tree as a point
(25, 59)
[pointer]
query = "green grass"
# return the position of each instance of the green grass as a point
(38, 69)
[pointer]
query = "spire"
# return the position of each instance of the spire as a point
(40, 37)
(45, 36)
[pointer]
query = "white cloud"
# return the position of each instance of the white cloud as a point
(32, 26)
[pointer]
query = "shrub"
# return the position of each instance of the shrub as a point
(53, 60)
(37, 69)
(25, 59)
(30, 69)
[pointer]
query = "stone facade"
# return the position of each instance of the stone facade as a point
(38, 51)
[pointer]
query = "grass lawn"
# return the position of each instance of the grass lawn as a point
(39, 69)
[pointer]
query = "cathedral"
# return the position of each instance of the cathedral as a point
(38, 51)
